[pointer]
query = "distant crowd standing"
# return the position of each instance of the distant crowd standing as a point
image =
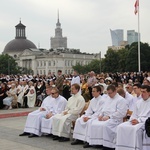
(104, 110)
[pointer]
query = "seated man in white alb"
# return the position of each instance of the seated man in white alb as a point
(61, 126)
(129, 134)
(33, 122)
(103, 129)
(136, 97)
(58, 106)
(81, 126)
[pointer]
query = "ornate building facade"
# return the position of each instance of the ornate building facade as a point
(42, 61)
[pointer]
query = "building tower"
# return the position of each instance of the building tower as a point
(132, 36)
(58, 41)
(116, 36)
(20, 43)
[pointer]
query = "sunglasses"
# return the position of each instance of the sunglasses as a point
(53, 93)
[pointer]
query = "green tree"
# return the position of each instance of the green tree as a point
(111, 61)
(122, 54)
(132, 57)
(78, 67)
(94, 65)
(8, 65)
(120, 61)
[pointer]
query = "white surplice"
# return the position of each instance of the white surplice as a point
(134, 101)
(104, 132)
(33, 122)
(59, 105)
(81, 127)
(146, 141)
(129, 100)
(61, 125)
(129, 137)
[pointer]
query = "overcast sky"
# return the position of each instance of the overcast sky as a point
(86, 23)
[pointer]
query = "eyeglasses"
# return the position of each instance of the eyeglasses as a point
(53, 93)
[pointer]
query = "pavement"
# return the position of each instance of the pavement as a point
(12, 124)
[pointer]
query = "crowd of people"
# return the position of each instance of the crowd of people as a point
(61, 99)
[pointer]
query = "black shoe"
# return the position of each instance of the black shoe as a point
(86, 145)
(49, 135)
(107, 148)
(98, 146)
(32, 135)
(24, 134)
(76, 142)
(64, 139)
(56, 137)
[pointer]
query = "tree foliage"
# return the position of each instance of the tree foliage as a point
(8, 65)
(120, 61)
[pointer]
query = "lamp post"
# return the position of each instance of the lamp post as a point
(100, 61)
(8, 66)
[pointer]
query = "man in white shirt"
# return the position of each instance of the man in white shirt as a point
(137, 97)
(81, 127)
(33, 122)
(76, 79)
(129, 134)
(61, 126)
(59, 105)
(103, 129)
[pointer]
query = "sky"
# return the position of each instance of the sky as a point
(85, 23)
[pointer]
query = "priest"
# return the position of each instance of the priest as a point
(103, 129)
(80, 133)
(33, 122)
(61, 126)
(130, 134)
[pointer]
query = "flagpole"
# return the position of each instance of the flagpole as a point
(139, 53)
(100, 65)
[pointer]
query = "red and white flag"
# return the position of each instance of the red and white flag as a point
(136, 5)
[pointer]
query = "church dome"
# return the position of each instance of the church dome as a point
(20, 43)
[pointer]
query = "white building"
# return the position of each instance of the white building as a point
(42, 61)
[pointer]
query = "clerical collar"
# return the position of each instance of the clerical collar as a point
(76, 94)
(98, 97)
(57, 97)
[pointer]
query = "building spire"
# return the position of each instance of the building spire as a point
(58, 23)
(58, 15)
